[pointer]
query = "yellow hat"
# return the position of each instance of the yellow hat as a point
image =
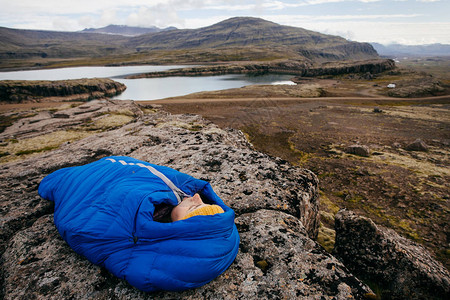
(205, 211)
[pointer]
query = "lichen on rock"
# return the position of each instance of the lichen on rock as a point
(401, 268)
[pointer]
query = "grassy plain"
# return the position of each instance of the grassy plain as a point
(313, 123)
(156, 57)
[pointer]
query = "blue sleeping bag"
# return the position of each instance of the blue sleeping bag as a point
(104, 211)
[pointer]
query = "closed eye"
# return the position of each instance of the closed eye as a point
(194, 207)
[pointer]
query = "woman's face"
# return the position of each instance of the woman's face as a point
(186, 206)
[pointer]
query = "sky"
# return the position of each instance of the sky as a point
(410, 22)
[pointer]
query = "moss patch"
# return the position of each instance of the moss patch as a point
(192, 126)
(38, 144)
(277, 143)
(326, 237)
(422, 168)
(112, 121)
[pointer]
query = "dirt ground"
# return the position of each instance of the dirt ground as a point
(401, 189)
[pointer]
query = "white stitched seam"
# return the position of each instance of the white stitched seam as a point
(177, 191)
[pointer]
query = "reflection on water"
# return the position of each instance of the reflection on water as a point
(158, 88)
(149, 88)
(82, 72)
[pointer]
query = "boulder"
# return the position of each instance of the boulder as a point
(276, 207)
(360, 150)
(377, 110)
(417, 145)
(400, 267)
(396, 145)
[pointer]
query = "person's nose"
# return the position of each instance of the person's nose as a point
(196, 199)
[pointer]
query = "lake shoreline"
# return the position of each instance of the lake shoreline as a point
(137, 89)
(290, 67)
(17, 91)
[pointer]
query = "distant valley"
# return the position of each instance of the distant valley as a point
(412, 50)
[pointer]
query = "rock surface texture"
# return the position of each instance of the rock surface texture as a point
(276, 208)
(401, 268)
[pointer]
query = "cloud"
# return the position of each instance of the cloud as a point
(314, 2)
(408, 33)
(202, 22)
(300, 19)
(161, 15)
(64, 24)
(50, 14)
(360, 17)
(269, 5)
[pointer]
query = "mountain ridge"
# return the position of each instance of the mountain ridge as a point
(246, 31)
(234, 39)
(126, 30)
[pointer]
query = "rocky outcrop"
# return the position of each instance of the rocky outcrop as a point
(369, 66)
(14, 91)
(208, 71)
(350, 50)
(401, 268)
(293, 67)
(417, 87)
(417, 145)
(276, 208)
(360, 150)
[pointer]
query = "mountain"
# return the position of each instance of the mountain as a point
(255, 32)
(412, 50)
(126, 30)
(22, 44)
(234, 39)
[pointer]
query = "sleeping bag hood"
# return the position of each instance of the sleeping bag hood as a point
(104, 210)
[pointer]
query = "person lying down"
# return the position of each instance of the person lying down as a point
(155, 227)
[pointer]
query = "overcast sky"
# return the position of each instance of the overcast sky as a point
(400, 21)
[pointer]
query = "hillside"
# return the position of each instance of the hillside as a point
(245, 31)
(22, 44)
(233, 39)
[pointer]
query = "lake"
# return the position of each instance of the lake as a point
(149, 88)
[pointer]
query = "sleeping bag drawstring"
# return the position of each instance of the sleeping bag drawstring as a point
(179, 194)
